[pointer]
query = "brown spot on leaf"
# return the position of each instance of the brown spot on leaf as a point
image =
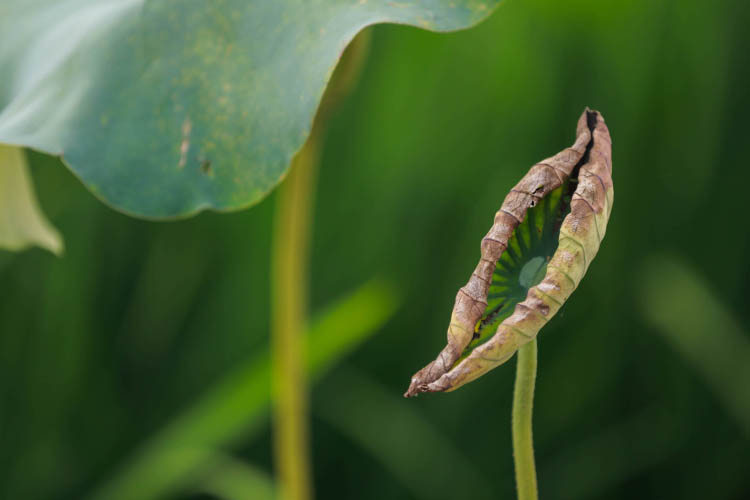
(206, 168)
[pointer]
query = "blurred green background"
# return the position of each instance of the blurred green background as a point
(138, 358)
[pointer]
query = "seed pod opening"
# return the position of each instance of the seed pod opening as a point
(543, 240)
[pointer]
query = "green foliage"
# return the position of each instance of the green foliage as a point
(100, 350)
(167, 108)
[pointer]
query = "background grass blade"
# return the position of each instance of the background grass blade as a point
(237, 406)
(682, 307)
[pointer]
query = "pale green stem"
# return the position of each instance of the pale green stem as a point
(523, 407)
(289, 285)
(289, 274)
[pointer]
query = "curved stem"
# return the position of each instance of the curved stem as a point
(288, 314)
(523, 406)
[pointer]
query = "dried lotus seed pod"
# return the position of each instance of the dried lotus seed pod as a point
(543, 240)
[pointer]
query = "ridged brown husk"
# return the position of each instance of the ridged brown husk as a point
(581, 232)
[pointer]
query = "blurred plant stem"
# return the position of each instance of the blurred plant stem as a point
(523, 407)
(289, 286)
(289, 275)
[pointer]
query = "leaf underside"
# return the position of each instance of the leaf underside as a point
(167, 108)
